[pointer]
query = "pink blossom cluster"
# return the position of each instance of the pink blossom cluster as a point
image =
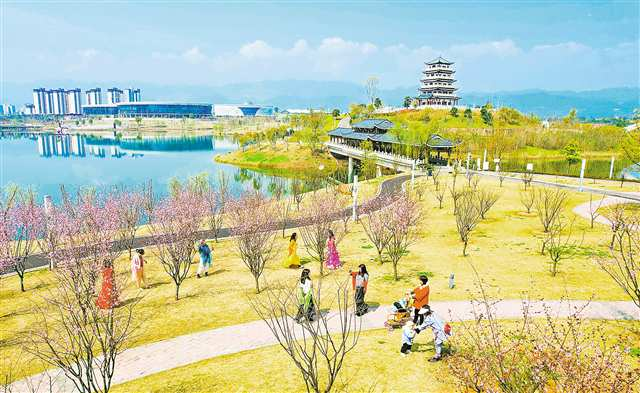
(20, 220)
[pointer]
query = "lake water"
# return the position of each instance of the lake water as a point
(45, 161)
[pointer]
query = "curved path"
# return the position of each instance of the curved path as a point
(585, 209)
(628, 196)
(179, 351)
(387, 188)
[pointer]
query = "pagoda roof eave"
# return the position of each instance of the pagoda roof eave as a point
(439, 80)
(439, 60)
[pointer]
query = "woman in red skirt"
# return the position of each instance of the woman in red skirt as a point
(108, 297)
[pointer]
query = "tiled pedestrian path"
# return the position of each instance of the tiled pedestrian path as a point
(164, 355)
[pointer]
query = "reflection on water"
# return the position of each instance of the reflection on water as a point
(45, 161)
(67, 145)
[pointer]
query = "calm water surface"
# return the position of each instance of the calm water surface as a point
(45, 161)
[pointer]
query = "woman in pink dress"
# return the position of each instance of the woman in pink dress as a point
(333, 259)
(137, 269)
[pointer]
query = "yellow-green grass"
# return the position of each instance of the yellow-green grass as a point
(504, 250)
(283, 157)
(375, 365)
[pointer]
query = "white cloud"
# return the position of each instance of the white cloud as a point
(193, 55)
(257, 49)
(501, 48)
(481, 66)
(570, 47)
(88, 54)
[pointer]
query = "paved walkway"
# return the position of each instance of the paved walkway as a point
(628, 196)
(585, 209)
(164, 355)
(387, 188)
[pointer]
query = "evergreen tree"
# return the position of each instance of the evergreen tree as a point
(487, 118)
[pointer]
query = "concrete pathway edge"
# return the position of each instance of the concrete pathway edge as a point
(148, 359)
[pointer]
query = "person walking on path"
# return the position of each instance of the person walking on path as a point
(333, 259)
(306, 307)
(108, 297)
(205, 259)
(293, 260)
(439, 328)
(359, 282)
(421, 299)
(137, 269)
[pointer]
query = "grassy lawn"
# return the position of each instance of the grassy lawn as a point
(504, 249)
(375, 365)
(283, 157)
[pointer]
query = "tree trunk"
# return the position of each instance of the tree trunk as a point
(464, 249)
(177, 291)
(257, 283)
(21, 281)
(380, 256)
(395, 270)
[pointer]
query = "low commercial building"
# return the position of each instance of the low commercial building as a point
(232, 110)
(149, 109)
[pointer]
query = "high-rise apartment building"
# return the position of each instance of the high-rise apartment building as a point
(131, 95)
(59, 106)
(114, 95)
(93, 96)
(40, 98)
(73, 103)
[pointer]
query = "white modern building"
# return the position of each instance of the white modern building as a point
(40, 101)
(230, 110)
(93, 96)
(73, 102)
(28, 109)
(114, 95)
(7, 109)
(59, 102)
(131, 95)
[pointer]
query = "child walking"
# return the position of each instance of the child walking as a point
(408, 333)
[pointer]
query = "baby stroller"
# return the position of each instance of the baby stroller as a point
(400, 315)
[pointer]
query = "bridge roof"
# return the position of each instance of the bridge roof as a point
(435, 141)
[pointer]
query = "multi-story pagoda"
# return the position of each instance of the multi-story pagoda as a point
(437, 84)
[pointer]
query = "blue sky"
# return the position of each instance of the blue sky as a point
(497, 45)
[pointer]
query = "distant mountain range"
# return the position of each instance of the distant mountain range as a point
(335, 94)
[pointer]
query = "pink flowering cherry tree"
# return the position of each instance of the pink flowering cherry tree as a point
(19, 227)
(129, 208)
(175, 226)
(253, 221)
(402, 220)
